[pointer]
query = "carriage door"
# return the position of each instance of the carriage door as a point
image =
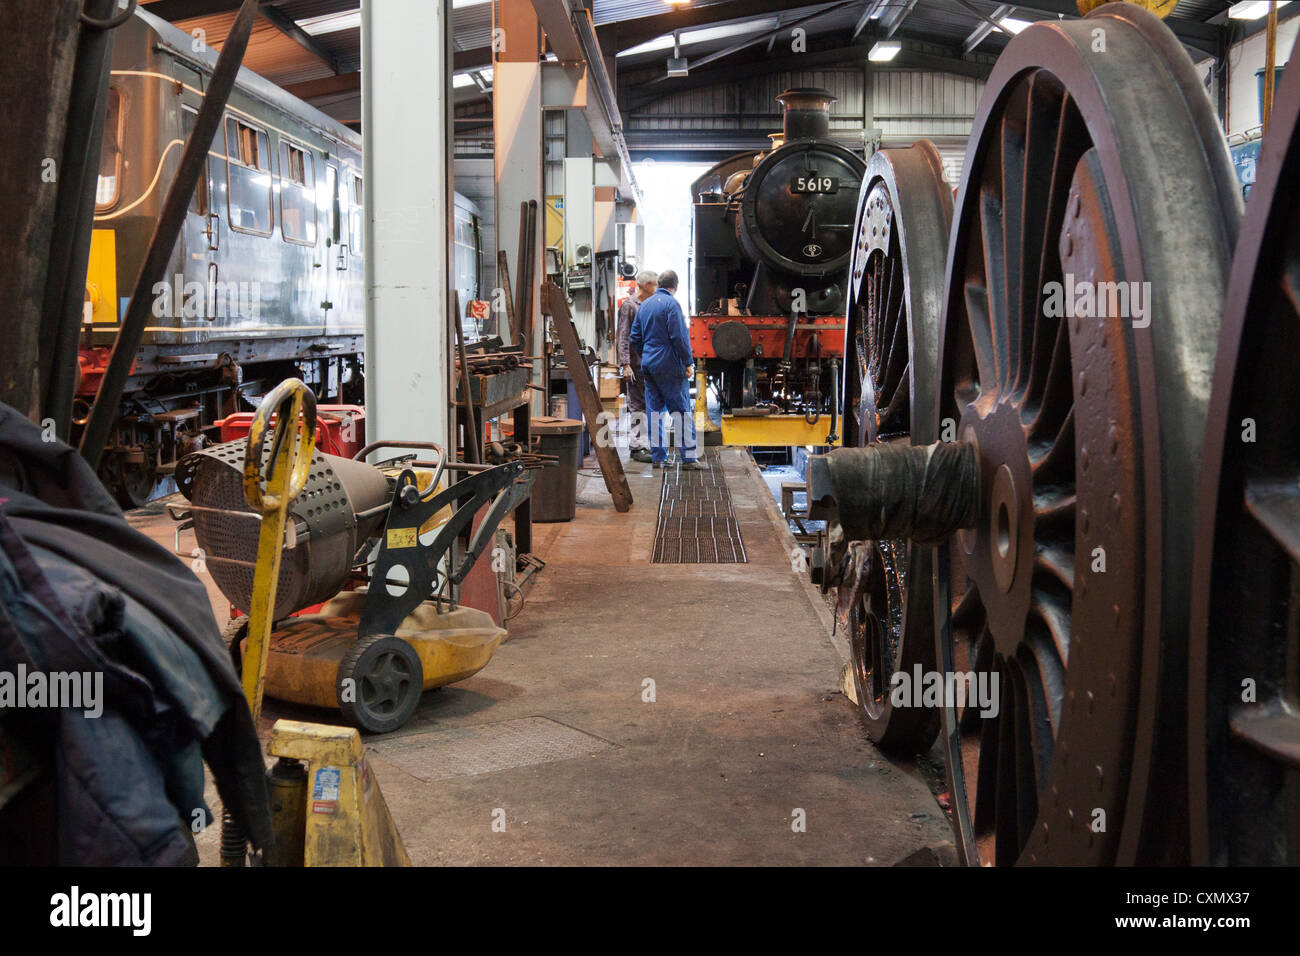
(203, 230)
(335, 254)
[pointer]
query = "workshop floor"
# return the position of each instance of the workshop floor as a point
(557, 738)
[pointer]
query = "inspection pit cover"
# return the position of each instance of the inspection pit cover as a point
(697, 524)
(488, 748)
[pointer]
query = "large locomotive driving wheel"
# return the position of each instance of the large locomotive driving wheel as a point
(1086, 278)
(1244, 670)
(895, 290)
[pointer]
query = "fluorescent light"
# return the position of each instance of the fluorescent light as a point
(351, 19)
(702, 35)
(884, 51)
(461, 80)
(1252, 9)
(331, 23)
(1012, 25)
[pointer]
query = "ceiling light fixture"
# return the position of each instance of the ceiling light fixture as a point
(1013, 25)
(701, 35)
(677, 65)
(1252, 9)
(884, 50)
(331, 23)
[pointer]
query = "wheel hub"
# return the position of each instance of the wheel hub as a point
(1000, 548)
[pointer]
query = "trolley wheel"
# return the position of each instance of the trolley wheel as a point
(379, 683)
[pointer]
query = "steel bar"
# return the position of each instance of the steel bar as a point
(470, 424)
(521, 279)
(74, 217)
(503, 283)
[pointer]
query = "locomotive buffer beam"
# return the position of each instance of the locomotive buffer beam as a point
(892, 490)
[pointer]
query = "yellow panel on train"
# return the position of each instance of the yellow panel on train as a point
(101, 277)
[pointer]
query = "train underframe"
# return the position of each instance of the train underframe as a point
(174, 401)
(776, 379)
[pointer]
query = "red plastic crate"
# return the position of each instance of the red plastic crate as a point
(340, 429)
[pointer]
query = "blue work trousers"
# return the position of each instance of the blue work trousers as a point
(668, 404)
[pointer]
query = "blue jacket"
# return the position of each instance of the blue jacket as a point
(659, 333)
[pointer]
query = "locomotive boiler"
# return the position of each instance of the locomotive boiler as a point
(772, 239)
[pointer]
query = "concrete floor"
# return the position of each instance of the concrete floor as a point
(747, 727)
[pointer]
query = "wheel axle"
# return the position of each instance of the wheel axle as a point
(921, 493)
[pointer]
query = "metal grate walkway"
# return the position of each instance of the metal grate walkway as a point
(696, 521)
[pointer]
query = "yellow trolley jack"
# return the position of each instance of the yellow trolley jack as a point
(327, 808)
(326, 523)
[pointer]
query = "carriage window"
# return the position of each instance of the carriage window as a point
(199, 201)
(297, 194)
(332, 191)
(356, 223)
(110, 154)
(249, 171)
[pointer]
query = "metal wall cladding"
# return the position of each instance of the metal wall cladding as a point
(910, 103)
(907, 104)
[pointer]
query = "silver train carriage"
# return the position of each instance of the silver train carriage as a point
(266, 280)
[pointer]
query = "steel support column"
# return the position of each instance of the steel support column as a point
(517, 152)
(405, 56)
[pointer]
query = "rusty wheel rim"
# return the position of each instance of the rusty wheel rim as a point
(1058, 598)
(896, 277)
(1244, 765)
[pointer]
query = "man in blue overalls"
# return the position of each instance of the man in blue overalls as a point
(659, 333)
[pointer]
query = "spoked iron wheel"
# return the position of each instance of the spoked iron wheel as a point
(1066, 602)
(896, 288)
(1244, 671)
(134, 485)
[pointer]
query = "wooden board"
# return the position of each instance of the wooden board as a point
(611, 467)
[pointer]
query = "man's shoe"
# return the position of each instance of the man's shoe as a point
(694, 465)
(642, 455)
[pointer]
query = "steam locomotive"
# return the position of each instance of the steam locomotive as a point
(773, 233)
(266, 278)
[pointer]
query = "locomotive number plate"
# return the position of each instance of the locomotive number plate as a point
(814, 184)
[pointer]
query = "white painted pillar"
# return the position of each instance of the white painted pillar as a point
(517, 150)
(405, 90)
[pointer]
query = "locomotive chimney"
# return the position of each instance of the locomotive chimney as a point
(807, 113)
